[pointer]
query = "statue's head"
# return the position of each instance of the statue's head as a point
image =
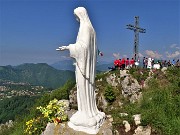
(81, 14)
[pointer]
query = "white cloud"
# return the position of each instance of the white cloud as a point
(125, 56)
(153, 54)
(175, 46)
(140, 55)
(174, 52)
(116, 55)
(173, 55)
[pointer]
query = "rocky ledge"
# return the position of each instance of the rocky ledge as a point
(64, 129)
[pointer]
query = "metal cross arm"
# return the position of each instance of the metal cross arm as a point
(136, 30)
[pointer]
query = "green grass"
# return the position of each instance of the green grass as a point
(160, 105)
(160, 108)
(139, 74)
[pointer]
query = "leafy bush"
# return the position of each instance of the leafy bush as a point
(109, 94)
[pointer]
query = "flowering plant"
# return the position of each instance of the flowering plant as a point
(55, 112)
(35, 126)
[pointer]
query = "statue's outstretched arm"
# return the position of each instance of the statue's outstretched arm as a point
(62, 48)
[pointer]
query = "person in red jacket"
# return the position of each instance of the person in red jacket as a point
(127, 63)
(116, 64)
(123, 63)
(120, 64)
(132, 62)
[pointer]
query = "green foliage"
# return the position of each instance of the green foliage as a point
(160, 107)
(36, 74)
(160, 104)
(173, 75)
(32, 112)
(109, 94)
(60, 93)
(63, 92)
(101, 75)
(10, 108)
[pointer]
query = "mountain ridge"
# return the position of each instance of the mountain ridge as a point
(36, 74)
(68, 65)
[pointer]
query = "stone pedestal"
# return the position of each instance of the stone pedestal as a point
(64, 129)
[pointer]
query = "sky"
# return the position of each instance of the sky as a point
(31, 30)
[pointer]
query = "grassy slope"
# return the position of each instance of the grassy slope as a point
(160, 104)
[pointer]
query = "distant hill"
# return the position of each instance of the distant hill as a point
(36, 74)
(64, 65)
(104, 67)
(68, 65)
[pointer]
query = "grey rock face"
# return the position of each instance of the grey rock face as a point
(130, 87)
(111, 80)
(73, 98)
(140, 130)
(101, 101)
(49, 129)
(164, 69)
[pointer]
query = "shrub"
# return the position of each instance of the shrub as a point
(109, 94)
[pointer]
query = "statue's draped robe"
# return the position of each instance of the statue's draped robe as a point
(84, 51)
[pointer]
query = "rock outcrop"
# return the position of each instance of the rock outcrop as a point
(111, 80)
(64, 129)
(140, 130)
(130, 87)
(137, 119)
(127, 126)
(7, 125)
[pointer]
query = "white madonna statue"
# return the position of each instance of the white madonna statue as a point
(88, 118)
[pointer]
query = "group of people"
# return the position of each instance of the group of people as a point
(151, 63)
(123, 63)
